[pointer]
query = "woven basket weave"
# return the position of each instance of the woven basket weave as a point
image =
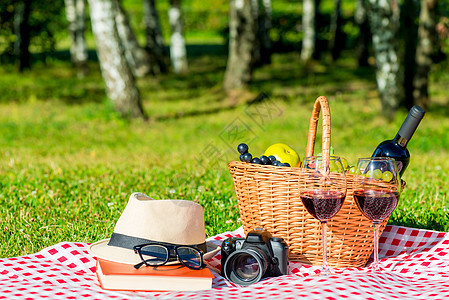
(268, 197)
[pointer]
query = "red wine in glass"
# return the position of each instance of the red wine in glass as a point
(376, 205)
(322, 205)
(376, 195)
(322, 193)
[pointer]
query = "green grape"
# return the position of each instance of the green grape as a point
(333, 167)
(352, 170)
(344, 162)
(387, 176)
(372, 173)
(377, 174)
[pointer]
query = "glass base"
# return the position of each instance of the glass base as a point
(324, 272)
(375, 267)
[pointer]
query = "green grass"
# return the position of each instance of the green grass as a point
(69, 163)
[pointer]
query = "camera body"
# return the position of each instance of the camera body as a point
(247, 260)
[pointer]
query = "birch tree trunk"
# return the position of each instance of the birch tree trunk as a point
(155, 43)
(22, 11)
(424, 51)
(178, 53)
(117, 75)
(76, 17)
(384, 23)
(242, 36)
(138, 59)
(308, 28)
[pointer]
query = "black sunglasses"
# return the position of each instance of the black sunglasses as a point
(158, 254)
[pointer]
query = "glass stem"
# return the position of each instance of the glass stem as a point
(376, 246)
(325, 270)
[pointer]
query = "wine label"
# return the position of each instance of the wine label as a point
(400, 165)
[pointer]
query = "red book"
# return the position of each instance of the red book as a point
(116, 276)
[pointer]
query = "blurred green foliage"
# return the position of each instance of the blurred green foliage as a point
(204, 22)
(47, 23)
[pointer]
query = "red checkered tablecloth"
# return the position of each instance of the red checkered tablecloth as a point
(415, 265)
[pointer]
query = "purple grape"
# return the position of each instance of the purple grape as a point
(242, 148)
(256, 160)
(247, 157)
(265, 160)
(272, 158)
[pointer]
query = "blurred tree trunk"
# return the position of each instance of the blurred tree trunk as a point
(138, 59)
(242, 36)
(266, 44)
(178, 53)
(264, 15)
(409, 15)
(364, 38)
(336, 42)
(22, 11)
(76, 16)
(257, 51)
(155, 43)
(309, 30)
(117, 75)
(384, 24)
(424, 51)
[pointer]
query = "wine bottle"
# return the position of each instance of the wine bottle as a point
(397, 147)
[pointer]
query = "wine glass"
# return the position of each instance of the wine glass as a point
(376, 192)
(322, 193)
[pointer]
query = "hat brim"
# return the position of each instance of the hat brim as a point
(102, 250)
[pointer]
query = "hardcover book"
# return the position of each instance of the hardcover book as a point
(117, 276)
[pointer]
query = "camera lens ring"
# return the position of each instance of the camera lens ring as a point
(246, 266)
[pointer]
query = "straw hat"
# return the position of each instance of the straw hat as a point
(146, 220)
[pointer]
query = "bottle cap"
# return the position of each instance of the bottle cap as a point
(417, 112)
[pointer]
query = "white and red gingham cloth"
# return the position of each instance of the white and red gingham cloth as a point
(415, 265)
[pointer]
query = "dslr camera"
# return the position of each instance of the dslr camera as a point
(247, 260)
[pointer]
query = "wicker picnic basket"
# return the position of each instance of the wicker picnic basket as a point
(268, 197)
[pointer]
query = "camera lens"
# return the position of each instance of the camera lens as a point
(245, 267)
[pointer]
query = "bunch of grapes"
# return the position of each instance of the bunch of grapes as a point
(245, 156)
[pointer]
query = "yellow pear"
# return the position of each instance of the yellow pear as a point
(284, 153)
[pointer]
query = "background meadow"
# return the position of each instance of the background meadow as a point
(68, 162)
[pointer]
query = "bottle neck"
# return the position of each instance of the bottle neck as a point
(407, 129)
(401, 141)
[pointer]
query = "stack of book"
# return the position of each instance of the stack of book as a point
(117, 276)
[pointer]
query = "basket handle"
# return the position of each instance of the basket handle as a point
(322, 105)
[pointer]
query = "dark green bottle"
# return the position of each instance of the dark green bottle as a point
(397, 147)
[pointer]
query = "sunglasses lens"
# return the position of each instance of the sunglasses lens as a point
(190, 257)
(154, 255)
